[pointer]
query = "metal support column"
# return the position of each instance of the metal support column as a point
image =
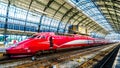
(77, 19)
(63, 18)
(47, 6)
(6, 20)
(56, 13)
(70, 19)
(27, 15)
(82, 20)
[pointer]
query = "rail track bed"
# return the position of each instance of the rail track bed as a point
(104, 59)
(58, 59)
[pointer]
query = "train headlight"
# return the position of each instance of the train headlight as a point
(26, 48)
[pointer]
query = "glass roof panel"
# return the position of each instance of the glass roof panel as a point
(90, 9)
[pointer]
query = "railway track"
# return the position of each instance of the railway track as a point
(50, 59)
(55, 59)
(108, 60)
(4, 59)
(101, 59)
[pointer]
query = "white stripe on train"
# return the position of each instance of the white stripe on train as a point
(76, 42)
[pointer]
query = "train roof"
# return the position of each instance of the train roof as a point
(52, 34)
(61, 34)
(45, 33)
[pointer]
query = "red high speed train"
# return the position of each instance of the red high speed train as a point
(46, 41)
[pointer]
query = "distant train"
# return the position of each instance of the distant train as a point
(49, 41)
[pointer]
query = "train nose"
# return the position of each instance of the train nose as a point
(18, 50)
(8, 50)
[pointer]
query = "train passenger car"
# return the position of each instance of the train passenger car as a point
(47, 41)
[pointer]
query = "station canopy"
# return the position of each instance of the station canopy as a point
(100, 16)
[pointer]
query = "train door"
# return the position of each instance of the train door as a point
(88, 42)
(51, 41)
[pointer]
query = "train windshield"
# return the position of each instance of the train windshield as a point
(42, 37)
(33, 36)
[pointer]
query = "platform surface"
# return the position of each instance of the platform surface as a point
(117, 61)
(2, 49)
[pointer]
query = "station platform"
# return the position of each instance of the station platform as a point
(116, 63)
(2, 49)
